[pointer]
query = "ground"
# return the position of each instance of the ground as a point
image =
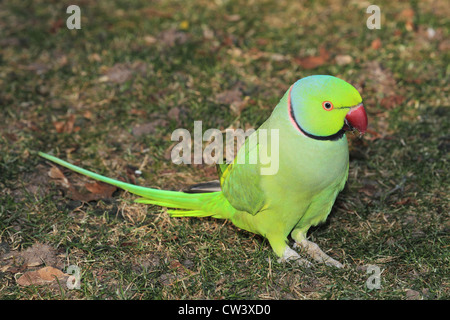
(109, 95)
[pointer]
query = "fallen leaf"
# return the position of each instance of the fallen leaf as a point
(119, 73)
(406, 14)
(66, 126)
(238, 106)
(87, 115)
(313, 62)
(94, 57)
(39, 254)
(168, 151)
(122, 72)
(174, 114)
(405, 201)
(148, 128)
(42, 276)
(232, 18)
(369, 188)
(343, 59)
(100, 188)
(56, 25)
(229, 96)
(172, 37)
(148, 39)
(376, 44)
(55, 173)
(97, 190)
(372, 135)
(33, 256)
(412, 295)
(444, 45)
(138, 112)
(152, 13)
(234, 98)
(380, 79)
(38, 67)
(392, 101)
(409, 26)
(101, 191)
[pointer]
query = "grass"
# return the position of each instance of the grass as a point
(82, 94)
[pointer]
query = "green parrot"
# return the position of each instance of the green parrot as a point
(309, 123)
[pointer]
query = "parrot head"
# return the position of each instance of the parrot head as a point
(324, 107)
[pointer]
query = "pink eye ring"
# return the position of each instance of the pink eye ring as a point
(327, 105)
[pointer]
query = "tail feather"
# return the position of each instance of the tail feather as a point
(192, 204)
(189, 213)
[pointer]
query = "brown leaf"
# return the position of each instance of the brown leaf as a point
(372, 135)
(409, 26)
(229, 96)
(38, 67)
(66, 126)
(444, 45)
(313, 62)
(94, 57)
(119, 73)
(343, 59)
(174, 114)
(406, 14)
(152, 13)
(42, 276)
(33, 256)
(39, 254)
(138, 112)
(392, 101)
(237, 106)
(56, 25)
(98, 191)
(369, 188)
(148, 128)
(87, 115)
(176, 265)
(407, 200)
(412, 295)
(376, 44)
(232, 18)
(168, 151)
(172, 37)
(234, 98)
(59, 126)
(101, 188)
(55, 173)
(148, 39)
(381, 79)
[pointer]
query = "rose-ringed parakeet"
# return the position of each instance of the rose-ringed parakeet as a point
(310, 120)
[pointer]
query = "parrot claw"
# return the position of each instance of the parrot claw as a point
(313, 250)
(291, 255)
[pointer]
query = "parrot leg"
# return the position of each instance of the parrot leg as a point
(313, 250)
(291, 255)
(285, 253)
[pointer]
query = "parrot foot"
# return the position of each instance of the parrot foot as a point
(317, 254)
(291, 255)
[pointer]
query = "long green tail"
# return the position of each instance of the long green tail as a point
(192, 204)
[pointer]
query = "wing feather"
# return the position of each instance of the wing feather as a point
(240, 181)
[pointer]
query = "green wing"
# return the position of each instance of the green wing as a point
(240, 182)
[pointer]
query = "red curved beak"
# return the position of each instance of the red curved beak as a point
(356, 118)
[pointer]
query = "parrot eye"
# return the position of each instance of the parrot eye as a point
(327, 105)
